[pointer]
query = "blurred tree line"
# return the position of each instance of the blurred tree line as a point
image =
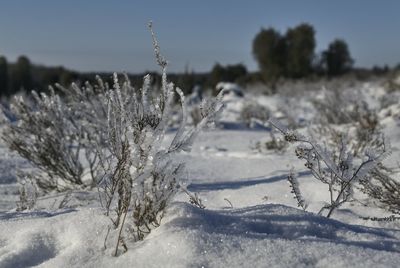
(24, 76)
(279, 56)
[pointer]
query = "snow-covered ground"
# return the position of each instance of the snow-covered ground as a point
(251, 218)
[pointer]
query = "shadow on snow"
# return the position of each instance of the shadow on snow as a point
(232, 185)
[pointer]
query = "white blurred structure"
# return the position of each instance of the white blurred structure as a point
(196, 96)
(230, 89)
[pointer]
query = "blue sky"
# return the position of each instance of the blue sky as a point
(113, 35)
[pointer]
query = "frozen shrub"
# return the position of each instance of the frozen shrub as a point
(252, 111)
(366, 117)
(48, 134)
(388, 100)
(359, 138)
(61, 134)
(274, 143)
(335, 167)
(393, 82)
(380, 185)
(292, 109)
(334, 107)
(28, 193)
(345, 107)
(143, 176)
(88, 105)
(361, 121)
(195, 109)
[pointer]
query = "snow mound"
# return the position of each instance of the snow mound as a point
(259, 236)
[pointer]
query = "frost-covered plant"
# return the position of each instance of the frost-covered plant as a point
(339, 108)
(367, 128)
(194, 99)
(48, 134)
(359, 139)
(251, 112)
(194, 198)
(388, 100)
(344, 107)
(88, 105)
(335, 167)
(392, 83)
(144, 175)
(61, 134)
(333, 107)
(276, 143)
(289, 107)
(28, 192)
(381, 186)
(378, 183)
(361, 121)
(195, 114)
(273, 143)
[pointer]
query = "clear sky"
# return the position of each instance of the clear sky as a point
(113, 36)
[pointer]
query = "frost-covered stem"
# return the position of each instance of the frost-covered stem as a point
(339, 170)
(331, 188)
(194, 199)
(336, 204)
(294, 184)
(295, 138)
(161, 61)
(229, 202)
(120, 233)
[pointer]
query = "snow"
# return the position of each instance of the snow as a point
(261, 236)
(251, 218)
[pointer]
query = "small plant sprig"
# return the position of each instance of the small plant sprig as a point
(194, 198)
(338, 171)
(294, 185)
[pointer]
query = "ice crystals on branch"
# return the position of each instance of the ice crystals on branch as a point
(335, 167)
(144, 176)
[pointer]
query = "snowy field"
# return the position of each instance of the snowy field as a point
(251, 218)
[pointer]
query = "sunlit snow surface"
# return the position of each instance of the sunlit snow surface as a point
(251, 219)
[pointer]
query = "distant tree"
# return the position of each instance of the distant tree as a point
(336, 58)
(269, 50)
(67, 77)
(300, 42)
(50, 76)
(21, 75)
(186, 81)
(378, 70)
(216, 74)
(3, 76)
(229, 73)
(233, 73)
(318, 64)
